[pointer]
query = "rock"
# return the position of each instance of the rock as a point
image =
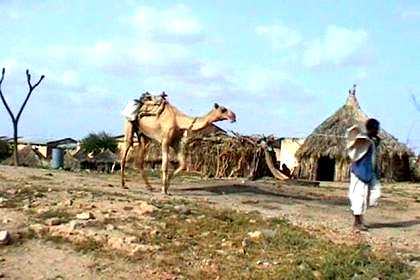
(131, 240)
(5, 237)
(264, 233)
(263, 264)
(1, 275)
(85, 216)
(142, 248)
(54, 221)
(145, 208)
(205, 234)
(318, 275)
(68, 202)
(116, 243)
(255, 235)
(6, 221)
(3, 200)
(38, 229)
(227, 244)
(110, 227)
(182, 209)
(128, 208)
(49, 189)
(11, 191)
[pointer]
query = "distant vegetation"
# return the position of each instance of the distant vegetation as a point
(97, 142)
(5, 150)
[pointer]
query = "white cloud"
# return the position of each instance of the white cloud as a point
(279, 36)
(337, 47)
(70, 78)
(410, 14)
(174, 23)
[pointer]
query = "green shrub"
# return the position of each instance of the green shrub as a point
(96, 142)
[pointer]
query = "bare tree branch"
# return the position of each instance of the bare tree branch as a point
(12, 116)
(31, 88)
(2, 75)
(15, 120)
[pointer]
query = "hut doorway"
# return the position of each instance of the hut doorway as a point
(325, 169)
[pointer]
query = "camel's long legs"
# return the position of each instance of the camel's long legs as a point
(180, 153)
(143, 144)
(165, 167)
(128, 142)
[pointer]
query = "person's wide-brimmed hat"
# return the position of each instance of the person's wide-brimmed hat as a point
(358, 143)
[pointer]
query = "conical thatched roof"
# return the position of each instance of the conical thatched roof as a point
(328, 139)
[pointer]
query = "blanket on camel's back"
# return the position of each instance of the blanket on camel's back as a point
(147, 105)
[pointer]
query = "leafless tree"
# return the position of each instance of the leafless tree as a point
(15, 119)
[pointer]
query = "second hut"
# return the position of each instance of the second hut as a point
(323, 155)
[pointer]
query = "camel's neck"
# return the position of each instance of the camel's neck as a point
(196, 123)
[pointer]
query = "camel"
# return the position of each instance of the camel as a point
(171, 128)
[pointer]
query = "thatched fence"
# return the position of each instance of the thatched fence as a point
(218, 156)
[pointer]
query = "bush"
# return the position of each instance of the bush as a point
(96, 142)
(5, 150)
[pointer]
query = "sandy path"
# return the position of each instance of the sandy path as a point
(395, 225)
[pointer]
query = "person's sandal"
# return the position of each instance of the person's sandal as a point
(360, 227)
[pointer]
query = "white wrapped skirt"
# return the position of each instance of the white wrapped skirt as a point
(363, 195)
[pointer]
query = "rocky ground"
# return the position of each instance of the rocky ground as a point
(61, 225)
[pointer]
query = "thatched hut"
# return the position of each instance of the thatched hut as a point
(105, 161)
(323, 155)
(29, 157)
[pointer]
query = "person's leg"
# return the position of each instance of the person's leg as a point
(358, 199)
(374, 193)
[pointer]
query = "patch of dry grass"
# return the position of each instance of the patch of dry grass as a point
(206, 243)
(209, 242)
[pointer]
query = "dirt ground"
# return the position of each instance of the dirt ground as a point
(323, 211)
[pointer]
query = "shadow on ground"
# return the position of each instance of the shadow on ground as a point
(252, 189)
(400, 224)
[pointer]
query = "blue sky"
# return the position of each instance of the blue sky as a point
(282, 66)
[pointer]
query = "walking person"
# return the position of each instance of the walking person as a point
(365, 188)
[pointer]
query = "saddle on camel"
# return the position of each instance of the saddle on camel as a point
(153, 117)
(147, 105)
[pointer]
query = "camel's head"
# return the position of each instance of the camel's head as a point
(223, 113)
